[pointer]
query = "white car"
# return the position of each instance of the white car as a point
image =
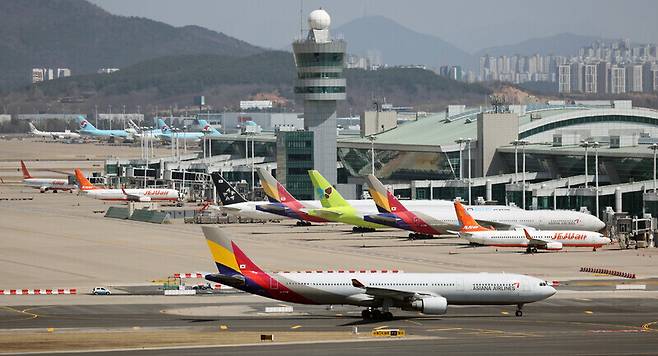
(100, 291)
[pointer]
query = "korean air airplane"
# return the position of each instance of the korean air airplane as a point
(53, 134)
(376, 291)
(87, 129)
(45, 184)
(426, 221)
(531, 241)
(207, 131)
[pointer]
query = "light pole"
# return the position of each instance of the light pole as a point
(586, 144)
(596, 174)
(468, 143)
(253, 159)
(460, 141)
(521, 143)
(654, 147)
(372, 139)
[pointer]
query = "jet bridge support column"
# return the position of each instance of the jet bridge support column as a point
(618, 208)
(488, 188)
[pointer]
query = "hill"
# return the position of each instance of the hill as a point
(83, 37)
(224, 80)
(400, 45)
(565, 44)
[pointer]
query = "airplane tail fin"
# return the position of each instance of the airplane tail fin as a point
(466, 221)
(329, 196)
(228, 257)
(33, 129)
(26, 173)
(84, 124)
(226, 193)
(275, 191)
(83, 182)
(386, 202)
(163, 126)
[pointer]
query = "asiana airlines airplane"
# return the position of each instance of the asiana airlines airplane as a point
(376, 291)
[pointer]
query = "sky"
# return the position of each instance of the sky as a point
(468, 24)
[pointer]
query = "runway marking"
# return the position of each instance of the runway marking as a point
(24, 312)
(647, 326)
(223, 327)
(504, 312)
(295, 327)
(381, 327)
(445, 329)
(589, 312)
(413, 322)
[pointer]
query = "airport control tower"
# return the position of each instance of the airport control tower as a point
(320, 83)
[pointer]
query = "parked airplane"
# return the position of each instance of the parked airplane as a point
(87, 129)
(335, 207)
(424, 221)
(207, 131)
(234, 204)
(45, 184)
(429, 293)
(532, 241)
(137, 195)
(148, 134)
(284, 204)
(53, 134)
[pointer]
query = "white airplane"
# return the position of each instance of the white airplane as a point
(45, 184)
(428, 293)
(136, 195)
(437, 220)
(68, 134)
(532, 241)
(234, 204)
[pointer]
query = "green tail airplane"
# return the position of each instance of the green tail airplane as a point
(335, 208)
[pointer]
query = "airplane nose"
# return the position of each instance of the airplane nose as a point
(550, 291)
(598, 224)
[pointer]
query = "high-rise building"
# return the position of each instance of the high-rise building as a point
(37, 75)
(602, 80)
(617, 80)
(589, 79)
(634, 78)
(564, 78)
(63, 72)
(320, 84)
(577, 77)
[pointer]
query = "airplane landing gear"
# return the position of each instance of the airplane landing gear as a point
(376, 314)
(414, 236)
(303, 223)
(531, 249)
(358, 229)
(519, 312)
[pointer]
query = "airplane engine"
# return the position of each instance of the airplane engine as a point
(431, 305)
(554, 246)
(43, 189)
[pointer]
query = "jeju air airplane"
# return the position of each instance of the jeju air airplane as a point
(136, 195)
(425, 221)
(376, 291)
(531, 241)
(45, 184)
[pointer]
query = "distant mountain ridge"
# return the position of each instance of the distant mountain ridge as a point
(83, 37)
(564, 44)
(399, 44)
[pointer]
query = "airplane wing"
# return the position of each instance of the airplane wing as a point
(387, 292)
(497, 225)
(133, 197)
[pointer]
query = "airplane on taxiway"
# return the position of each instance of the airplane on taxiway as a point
(531, 240)
(376, 291)
(45, 184)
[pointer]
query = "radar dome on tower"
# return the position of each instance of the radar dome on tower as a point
(319, 19)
